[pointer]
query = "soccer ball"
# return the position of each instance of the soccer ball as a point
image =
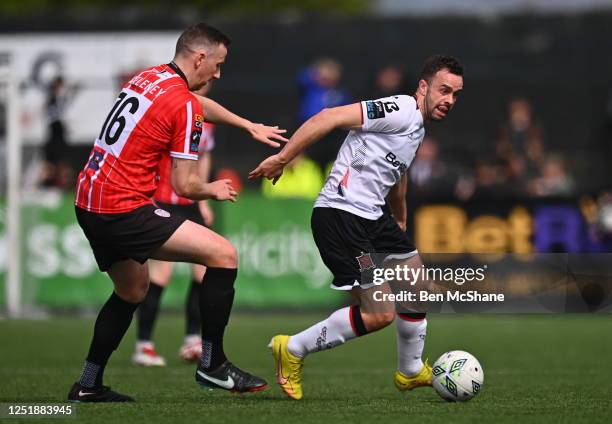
(457, 376)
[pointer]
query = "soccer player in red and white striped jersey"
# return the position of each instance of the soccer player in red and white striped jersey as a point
(160, 272)
(156, 115)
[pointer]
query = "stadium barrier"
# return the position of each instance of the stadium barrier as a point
(279, 262)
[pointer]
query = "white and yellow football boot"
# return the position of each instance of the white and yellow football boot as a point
(288, 367)
(423, 378)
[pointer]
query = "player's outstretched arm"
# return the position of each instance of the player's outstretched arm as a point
(204, 166)
(186, 182)
(217, 114)
(397, 201)
(347, 117)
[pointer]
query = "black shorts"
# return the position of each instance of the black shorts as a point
(347, 241)
(190, 211)
(131, 235)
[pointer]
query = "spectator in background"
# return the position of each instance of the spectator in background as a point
(491, 180)
(428, 174)
(520, 129)
(602, 225)
(319, 88)
(606, 138)
(389, 81)
(56, 171)
(554, 179)
(526, 165)
(302, 179)
(521, 142)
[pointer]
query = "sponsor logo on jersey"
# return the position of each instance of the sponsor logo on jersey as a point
(375, 110)
(94, 162)
(162, 213)
(195, 141)
(199, 119)
(393, 160)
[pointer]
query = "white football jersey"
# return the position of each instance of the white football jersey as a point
(373, 159)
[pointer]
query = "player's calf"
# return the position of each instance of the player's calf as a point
(375, 321)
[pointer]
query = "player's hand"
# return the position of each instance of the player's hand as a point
(266, 134)
(222, 190)
(207, 213)
(271, 168)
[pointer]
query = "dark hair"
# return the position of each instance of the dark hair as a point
(200, 34)
(438, 62)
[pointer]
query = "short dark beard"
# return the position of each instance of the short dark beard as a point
(426, 106)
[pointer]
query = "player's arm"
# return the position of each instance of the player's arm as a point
(347, 117)
(204, 166)
(397, 201)
(217, 114)
(187, 182)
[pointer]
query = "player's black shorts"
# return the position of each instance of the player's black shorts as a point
(190, 211)
(345, 241)
(131, 235)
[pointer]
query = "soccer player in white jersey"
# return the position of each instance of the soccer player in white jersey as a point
(351, 217)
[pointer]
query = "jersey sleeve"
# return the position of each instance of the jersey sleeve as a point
(388, 114)
(207, 143)
(188, 123)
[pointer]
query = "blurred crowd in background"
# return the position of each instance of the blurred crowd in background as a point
(535, 121)
(520, 161)
(521, 165)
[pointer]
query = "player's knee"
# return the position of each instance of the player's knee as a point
(135, 293)
(377, 321)
(225, 257)
(230, 256)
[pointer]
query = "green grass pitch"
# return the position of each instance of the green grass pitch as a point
(538, 368)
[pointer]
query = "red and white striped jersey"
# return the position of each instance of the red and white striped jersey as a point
(154, 116)
(165, 193)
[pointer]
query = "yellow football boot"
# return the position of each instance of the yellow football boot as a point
(288, 367)
(423, 378)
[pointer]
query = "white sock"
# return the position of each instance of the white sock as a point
(333, 331)
(144, 344)
(410, 343)
(192, 339)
